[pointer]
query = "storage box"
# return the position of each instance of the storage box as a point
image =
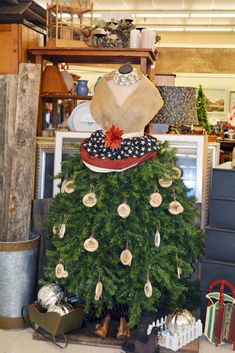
(220, 244)
(222, 213)
(223, 182)
(213, 269)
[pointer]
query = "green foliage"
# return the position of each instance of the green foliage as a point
(201, 109)
(179, 235)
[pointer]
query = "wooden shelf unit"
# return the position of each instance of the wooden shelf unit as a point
(145, 58)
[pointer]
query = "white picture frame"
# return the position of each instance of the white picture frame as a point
(60, 139)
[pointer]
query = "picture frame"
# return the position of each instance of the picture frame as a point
(231, 99)
(45, 165)
(63, 138)
(217, 100)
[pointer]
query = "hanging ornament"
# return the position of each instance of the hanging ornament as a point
(59, 229)
(175, 208)
(68, 186)
(148, 289)
(179, 269)
(60, 271)
(157, 237)
(55, 229)
(165, 182)
(178, 172)
(126, 256)
(89, 200)
(155, 199)
(98, 289)
(91, 244)
(179, 272)
(123, 210)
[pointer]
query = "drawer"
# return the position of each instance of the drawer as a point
(220, 244)
(213, 269)
(223, 183)
(222, 213)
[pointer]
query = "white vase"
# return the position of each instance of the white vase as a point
(135, 38)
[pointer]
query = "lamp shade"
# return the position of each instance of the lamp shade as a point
(179, 106)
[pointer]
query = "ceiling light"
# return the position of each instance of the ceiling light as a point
(153, 15)
(211, 14)
(209, 29)
(95, 15)
(167, 29)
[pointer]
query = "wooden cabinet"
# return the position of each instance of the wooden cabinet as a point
(15, 40)
(145, 58)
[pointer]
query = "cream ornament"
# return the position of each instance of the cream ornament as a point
(157, 239)
(123, 210)
(91, 244)
(126, 257)
(165, 183)
(155, 199)
(68, 186)
(175, 208)
(148, 289)
(98, 290)
(60, 271)
(59, 230)
(89, 200)
(178, 172)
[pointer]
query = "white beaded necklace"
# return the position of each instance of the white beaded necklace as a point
(126, 79)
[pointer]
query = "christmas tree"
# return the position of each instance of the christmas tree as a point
(125, 236)
(201, 109)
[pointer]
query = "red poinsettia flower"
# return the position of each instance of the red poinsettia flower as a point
(113, 137)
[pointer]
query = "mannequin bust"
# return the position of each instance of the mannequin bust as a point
(127, 99)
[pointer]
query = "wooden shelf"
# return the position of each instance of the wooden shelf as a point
(65, 96)
(140, 56)
(143, 57)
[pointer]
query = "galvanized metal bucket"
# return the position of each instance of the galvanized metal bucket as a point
(18, 273)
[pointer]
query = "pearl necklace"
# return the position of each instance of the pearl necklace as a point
(126, 79)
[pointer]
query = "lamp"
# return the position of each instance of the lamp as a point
(179, 106)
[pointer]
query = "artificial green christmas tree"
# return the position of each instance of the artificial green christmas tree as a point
(201, 109)
(127, 236)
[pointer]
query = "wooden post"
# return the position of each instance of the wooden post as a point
(8, 89)
(22, 173)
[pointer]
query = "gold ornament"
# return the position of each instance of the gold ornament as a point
(123, 210)
(175, 208)
(179, 319)
(98, 290)
(178, 172)
(148, 289)
(68, 186)
(155, 199)
(89, 200)
(179, 272)
(91, 244)
(126, 257)
(60, 271)
(165, 183)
